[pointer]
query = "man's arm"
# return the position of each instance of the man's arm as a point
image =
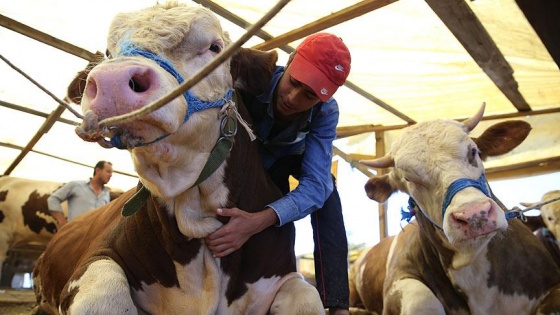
(60, 218)
(56, 199)
(315, 181)
(314, 188)
(241, 226)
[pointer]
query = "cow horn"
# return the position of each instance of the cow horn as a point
(382, 162)
(470, 123)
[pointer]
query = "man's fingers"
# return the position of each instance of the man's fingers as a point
(221, 250)
(227, 212)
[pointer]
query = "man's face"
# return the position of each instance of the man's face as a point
(105, 174)
(293, 97)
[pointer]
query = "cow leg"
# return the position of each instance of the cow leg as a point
(101, 289)
(410, 296)
(297, 297)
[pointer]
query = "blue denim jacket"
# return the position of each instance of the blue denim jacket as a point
(312, 136)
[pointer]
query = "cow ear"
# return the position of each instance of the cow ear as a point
(502, 137)
(76, 87)
(252, 69)
(379, 188)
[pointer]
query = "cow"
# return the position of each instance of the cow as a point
(550, 212)
(460, 254)
(144, 253)
(549, 232)
(24, 215)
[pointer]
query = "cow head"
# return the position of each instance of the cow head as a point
(432, 158)
(550, 212)
(150, 52)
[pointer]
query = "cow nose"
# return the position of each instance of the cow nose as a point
(475, 219)
(121, 86)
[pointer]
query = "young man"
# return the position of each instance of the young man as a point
(82, 196)
(295, 121)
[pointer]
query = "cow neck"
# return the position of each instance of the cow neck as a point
(222, 148)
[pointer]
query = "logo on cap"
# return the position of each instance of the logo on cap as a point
(324, 91)
(339, 68)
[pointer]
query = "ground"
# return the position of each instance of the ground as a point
(16, 302)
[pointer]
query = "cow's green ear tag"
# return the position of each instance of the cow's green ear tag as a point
(135, 202)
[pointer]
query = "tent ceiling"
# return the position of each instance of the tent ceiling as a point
(411, 61)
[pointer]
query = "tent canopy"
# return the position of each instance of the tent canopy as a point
(412, 60)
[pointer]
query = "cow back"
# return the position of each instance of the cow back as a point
(73, 244)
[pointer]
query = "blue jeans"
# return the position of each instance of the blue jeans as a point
(329, 235)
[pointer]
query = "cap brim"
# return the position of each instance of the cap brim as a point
(304, 72)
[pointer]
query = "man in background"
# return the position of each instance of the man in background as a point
(82, 195)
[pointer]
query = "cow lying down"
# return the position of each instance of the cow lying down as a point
(155, 261)
(460, 255)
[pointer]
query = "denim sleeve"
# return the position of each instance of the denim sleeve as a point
(315, 183)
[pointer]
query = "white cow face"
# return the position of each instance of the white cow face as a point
(150, 52)
(551, 213)
(428, 159)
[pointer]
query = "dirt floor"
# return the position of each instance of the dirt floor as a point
(16, 302)
(21, 302)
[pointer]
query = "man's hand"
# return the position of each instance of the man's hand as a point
(60, 218)
(237, 231)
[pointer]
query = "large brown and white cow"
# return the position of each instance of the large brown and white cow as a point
(155, 261)
(24, 214)
(460, 255)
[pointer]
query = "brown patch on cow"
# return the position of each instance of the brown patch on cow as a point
(3, 195)
(502, 137)
(374, 272)
(517, 246)
(550, 243)
(37, 204)
(534, 222)
(275, 243)
(153, 234)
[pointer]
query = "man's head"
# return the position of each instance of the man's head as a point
(322, 62)
(103, 171)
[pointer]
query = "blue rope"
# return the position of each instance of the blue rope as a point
(194, 103)
(410, 213)
(461, 184)
(453, 189)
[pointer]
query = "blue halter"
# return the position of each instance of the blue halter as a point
(453, 189)
(194, 103)
(461, 184)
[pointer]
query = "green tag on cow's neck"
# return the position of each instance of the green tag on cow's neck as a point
(137, 201)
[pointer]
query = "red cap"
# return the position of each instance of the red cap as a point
(322, 61)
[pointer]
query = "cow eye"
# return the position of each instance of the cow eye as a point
(550, 219)
(215, 48)
(475, 152)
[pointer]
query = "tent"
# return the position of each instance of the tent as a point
(412, 60)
